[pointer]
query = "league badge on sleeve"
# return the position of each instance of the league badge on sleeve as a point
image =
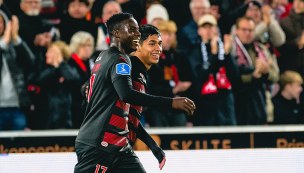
(123, 69)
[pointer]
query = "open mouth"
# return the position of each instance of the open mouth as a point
(155, 56)
(136, 41)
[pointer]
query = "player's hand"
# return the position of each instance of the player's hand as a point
(162, 163)
(184, 103)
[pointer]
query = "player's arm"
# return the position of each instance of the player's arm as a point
(123, 85)
(149, 141)
(127, 94)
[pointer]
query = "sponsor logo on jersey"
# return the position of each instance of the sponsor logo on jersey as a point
(123, 69)
(105, 144)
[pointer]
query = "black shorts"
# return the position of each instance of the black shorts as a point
(94, 160)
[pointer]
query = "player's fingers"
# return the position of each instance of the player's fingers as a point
(190, 103)
(162, 164)
(188, 109)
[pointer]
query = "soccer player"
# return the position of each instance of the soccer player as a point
(149, 49)
(102, 144)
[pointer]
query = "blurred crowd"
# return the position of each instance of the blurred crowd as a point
(240, 61)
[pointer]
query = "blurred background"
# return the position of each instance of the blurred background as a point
(240, 61)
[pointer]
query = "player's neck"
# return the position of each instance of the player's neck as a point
(117, 44)
(148, 66)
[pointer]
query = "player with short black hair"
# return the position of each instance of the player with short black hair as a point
(116, 21)
(146, 31)
(102, 142)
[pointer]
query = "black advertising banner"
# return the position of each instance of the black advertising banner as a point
(61, 143)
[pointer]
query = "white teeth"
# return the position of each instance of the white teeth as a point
(136, 40)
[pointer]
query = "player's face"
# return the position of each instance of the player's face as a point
(151, 49)
(129, 35)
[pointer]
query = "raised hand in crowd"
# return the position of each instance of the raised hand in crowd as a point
(181, 87)
(43, 39)
(54, 56)
(228, 40)
(7, 35)
(213, 44)
(301, 42)
(261, 67)
(266, 14)
(214, 11)
(15, 27)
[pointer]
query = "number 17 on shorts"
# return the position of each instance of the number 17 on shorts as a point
(103, 169)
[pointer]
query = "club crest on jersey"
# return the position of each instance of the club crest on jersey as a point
(123, 69)
(105, 144)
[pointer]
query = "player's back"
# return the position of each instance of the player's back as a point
(105, 122)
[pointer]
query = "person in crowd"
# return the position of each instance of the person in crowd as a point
(15, 59)
(75, 20)
(257, 67)
(286, 108)
(188, 36)
(109, 9)
(132, 7)
(156, 13)
(146, 5)
(288, 8)
(56, 81)
(267, 29)
(170, 77)
(292, 51)
(278, 7)
(35, 30)
(82, 46)
(214, 72)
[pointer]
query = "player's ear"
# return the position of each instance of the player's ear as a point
(139, 48)
(116, 34)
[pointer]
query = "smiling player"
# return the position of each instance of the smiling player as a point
(102, 144)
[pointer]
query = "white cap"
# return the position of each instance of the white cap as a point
(207, 18)
(157, 11)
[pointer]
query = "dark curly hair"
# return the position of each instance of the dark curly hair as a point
(115, 22)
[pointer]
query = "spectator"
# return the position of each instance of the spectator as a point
(292, 51)
(288, 8)
(81, 45)
(178, 11)
(56, 81)
(156, 13)
(267, 29)
(169, 78)
(15, 57)
(34, 30)
(230, 11)
(278, 7)
(132, 7)
(109, 9)
(75, 20)
(188, 35)
(257, 67)
(286, 108)
(146, 5)
(214, 70)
